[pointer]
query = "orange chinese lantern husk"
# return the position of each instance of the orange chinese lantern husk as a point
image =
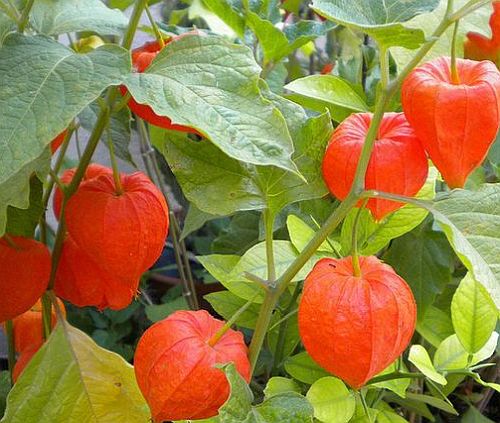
(457, 123)
(24, 275)
(174, 366)
(82, 282)
(480, 47)
(354, 327)
(28, 326)
(57, 141)
(398, 163)
(23, 360)
(124, 234)
(93, 171)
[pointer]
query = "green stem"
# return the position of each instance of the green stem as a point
(265, 315)
(455, 78)
(156, 30)
(394, 376)
(365, 407)
(9, 329)
(399, 198)
(220, 333)
(384, 67)
(114, 166)
(354, 241)
(23, 20)
(140, 5)
(269, 230)
(46, 316)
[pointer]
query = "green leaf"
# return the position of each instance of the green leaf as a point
(416, 406)
(157, 312)
(195, 219)
(428, 22)
(301, 233)
(434, 402)
(452, 355)
(23, 222)
(421, 360)
(380, 19)
(227, 13)
(473, 313)
(241, 234)
(471, 222)
(192, 82)
(279, 385)
(277, 44)
(288, 406)
(88, 384)
(435, 326)
(388, 415)
(424, 259)
(373, 236)
(291, 336)
(59, 17)
(329, 91)
(118, 129)
(227, 304)
(331, 400)
(398, 386)
(303, 368)
(492, 385)
(473, 415)
(40, 95)
(222, 185)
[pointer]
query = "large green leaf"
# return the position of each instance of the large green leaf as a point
(424, 259)
(373, 236)
(222, 185)
(473, 313)
(39, 95)
(331, 400)
(328, 91)
(193, 81)
(229, 14)
(59, 17)
(477, 21)
(471, 221)
(380, 19)
(72, 379)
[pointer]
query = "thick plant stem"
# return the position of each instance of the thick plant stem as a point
(455, 78)
(269, 229)
(23, 20)
(156, 30)
(46, 316)
(9, 329)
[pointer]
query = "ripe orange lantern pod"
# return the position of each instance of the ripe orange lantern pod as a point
(174, 365)
(354, 327)
(82, 282)
(57, 141)
(141, 59)
(398, 163)
(93, 170)
(28, 326)
(479, 47)
(123, 233)
(24, 274)
(456, 122)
